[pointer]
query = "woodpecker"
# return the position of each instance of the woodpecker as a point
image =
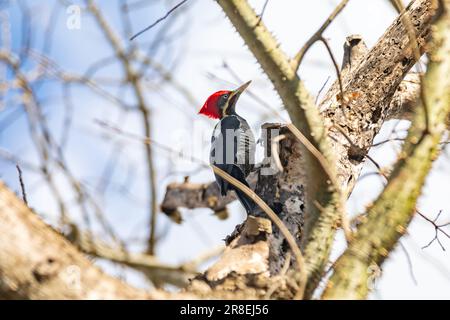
(232, 142)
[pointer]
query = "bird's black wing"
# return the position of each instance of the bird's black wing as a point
(232, 150)
(224, 149)
(245, 145)
(233, 143)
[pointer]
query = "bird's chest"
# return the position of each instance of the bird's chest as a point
(231, 144)
(216, 132)
(222, 146)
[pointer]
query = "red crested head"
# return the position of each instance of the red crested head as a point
(211, 107)
(222, 103)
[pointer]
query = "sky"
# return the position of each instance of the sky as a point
(202, 41)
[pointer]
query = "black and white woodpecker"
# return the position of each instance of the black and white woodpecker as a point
(232, 142)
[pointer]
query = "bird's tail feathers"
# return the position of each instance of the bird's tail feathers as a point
(237, 173)
(245, 200)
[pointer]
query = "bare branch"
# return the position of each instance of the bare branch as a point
(437, 228)
(159, 20)
(136, 82)
(317, 35)
(263, 10)
(159, 273)
(50, 267)
(22, 184)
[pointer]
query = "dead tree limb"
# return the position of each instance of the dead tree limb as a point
(158, 272)
(194, 195)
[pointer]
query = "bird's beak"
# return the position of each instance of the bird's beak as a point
(241, 89)
(234, 96)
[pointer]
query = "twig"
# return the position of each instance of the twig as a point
(376, 164)
(262, 11)
(337, 69)
(359, 150)
(410, 264)
(437, 228)
(22, 185)
(386, 141)
(147, 140)
(321, 89)
(159, 20)
(317, 35)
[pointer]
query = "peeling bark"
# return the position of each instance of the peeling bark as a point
(370, 89)
(405, 98)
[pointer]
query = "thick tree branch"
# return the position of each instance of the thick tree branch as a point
(405, 98)
(38, 263)
(359, 117)
(158, 272)
(194, 195)
(389, 217)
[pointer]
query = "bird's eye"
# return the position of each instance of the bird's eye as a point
(225, 96)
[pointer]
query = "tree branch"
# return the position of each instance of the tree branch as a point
(38, 263)
(369, 88)
(158, 272)
(193, 195)
(317, 35)
(392, 212)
